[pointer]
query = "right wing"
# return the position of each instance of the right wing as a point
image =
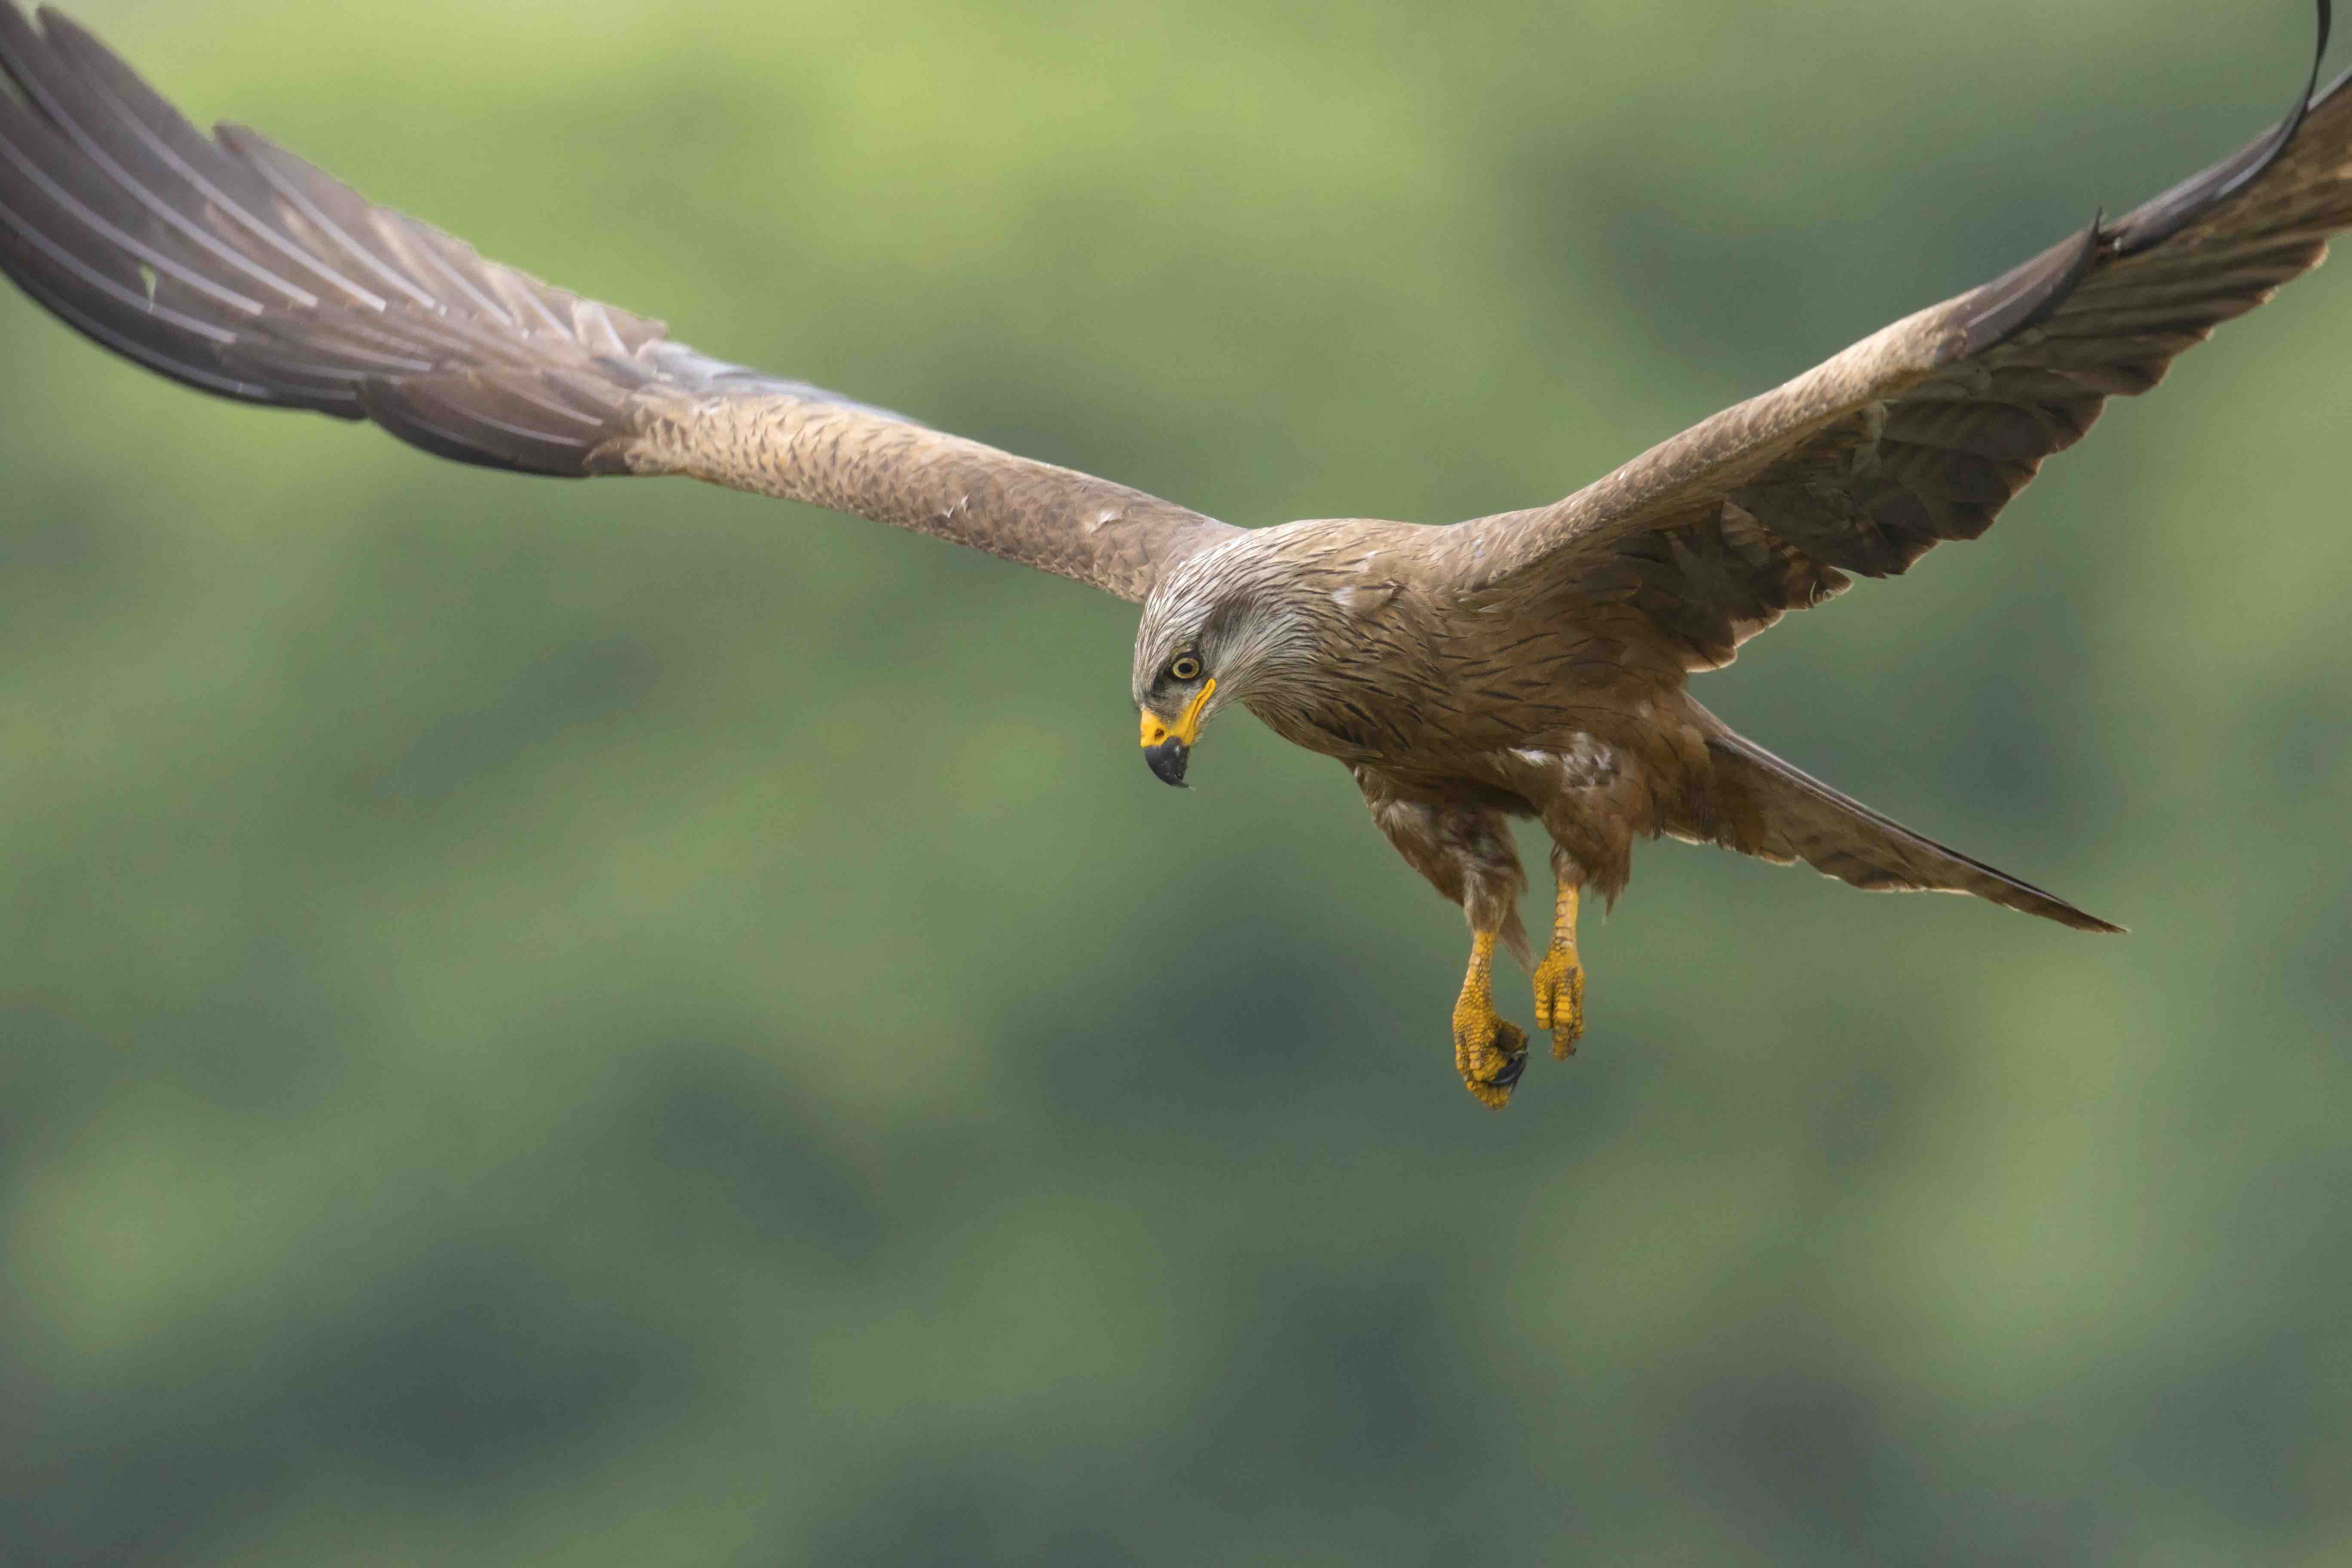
(1923, 431)
(231, 266)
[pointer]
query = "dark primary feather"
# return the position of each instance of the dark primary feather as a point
(234, 266)
(1924, 431)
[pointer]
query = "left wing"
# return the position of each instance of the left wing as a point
(231, 266)
(1923, 431)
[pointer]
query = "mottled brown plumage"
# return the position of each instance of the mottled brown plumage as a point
(1529, 664)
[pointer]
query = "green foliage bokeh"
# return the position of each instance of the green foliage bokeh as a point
(623, 1023)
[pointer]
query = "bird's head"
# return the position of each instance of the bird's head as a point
(1218, 628)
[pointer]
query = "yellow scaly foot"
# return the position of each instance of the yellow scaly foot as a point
(1490, 1052)
(1559, 981)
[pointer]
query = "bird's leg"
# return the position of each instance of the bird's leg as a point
(1466, 854)
(1490, 1052)
(1559, 978)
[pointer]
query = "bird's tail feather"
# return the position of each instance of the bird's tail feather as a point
(1767, 807)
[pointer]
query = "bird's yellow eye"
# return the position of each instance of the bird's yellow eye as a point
(1185, 668)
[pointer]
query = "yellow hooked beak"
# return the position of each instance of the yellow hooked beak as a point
(1166, 746)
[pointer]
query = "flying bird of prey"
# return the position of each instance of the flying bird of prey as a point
(1533, 663)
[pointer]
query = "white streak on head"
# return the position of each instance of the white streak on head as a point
(1364, 598)
(1232, 604)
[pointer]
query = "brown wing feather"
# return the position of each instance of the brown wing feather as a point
(1922, 432)
(231, 266)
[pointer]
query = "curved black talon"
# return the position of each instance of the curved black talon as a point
(1509, 1076)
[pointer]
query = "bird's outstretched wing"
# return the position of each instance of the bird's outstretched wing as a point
(235, 268)
(1924, 430)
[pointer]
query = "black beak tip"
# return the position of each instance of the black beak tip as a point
(1167, 762)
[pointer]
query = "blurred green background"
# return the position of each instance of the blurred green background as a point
(627, 1024)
